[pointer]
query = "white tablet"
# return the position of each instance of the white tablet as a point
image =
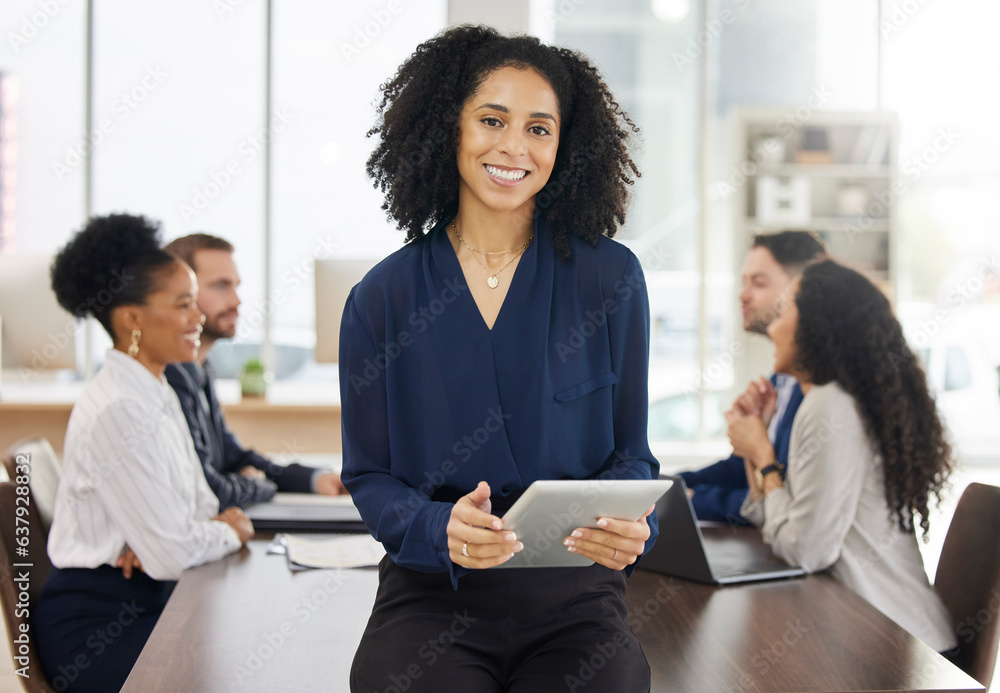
(549, 510)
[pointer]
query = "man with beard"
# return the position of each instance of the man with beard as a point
(773, 263)
(238, 476)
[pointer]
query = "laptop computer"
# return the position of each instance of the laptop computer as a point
(306, 513)
(716, 556)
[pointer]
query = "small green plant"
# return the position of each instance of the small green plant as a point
(253, 378)
(253, 366)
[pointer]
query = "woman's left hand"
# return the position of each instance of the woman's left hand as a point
(128, 561)
(617, 544)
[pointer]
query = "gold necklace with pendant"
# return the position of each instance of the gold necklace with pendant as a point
(492, 280)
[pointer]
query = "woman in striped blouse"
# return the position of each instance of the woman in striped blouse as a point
(132, 484)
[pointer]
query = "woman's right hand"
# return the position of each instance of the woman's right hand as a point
(479, 533)
(235, 518)
(759, 399)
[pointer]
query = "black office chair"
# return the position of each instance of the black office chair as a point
(35, 682)
(968, 579)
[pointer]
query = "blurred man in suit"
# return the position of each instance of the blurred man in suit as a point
(238, 476)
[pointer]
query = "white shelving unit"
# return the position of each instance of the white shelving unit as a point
(833, 173)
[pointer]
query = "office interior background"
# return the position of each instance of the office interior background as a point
(248, 120)
(872, 122)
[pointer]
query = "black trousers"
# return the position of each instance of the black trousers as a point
(520, 630)
(91, 623)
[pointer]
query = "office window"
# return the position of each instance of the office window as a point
(957, 375)
(329, 60)
(181, 88)
(651, 51)
(43, 109)
(636, 51)
(949, 235)
(949, 149)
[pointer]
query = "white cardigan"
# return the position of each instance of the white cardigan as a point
(832, 514)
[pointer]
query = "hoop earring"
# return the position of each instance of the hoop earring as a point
(133, 348)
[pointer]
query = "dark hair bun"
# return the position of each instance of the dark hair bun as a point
(111, 262)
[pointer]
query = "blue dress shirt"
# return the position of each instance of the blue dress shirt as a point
(433, 401)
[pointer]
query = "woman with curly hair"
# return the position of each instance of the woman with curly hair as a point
(867, 451)
(506, 342)
(133, 509)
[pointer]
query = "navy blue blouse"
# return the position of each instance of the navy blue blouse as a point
(433, 401)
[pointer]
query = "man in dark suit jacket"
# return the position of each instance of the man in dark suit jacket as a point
(773, 263)
(238, 476)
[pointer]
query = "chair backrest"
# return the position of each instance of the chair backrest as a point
(11, 588)
(44, 472)
(968, 579)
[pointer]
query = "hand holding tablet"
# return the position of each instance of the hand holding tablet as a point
(476, 539)
(546, 515)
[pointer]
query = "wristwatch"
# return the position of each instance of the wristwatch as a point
(761, 473)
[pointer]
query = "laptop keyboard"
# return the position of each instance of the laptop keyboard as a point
(725, 571)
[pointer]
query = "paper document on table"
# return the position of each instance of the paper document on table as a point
(342, 551)
(311, 499)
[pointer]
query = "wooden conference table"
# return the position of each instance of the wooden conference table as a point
(245, 623)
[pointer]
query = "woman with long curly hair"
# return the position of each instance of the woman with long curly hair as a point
(506, 342)
(867, 454)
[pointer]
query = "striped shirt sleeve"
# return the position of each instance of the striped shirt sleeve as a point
(149, 494)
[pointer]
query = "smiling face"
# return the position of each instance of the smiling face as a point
(169, 320)
(508, 139)
(782, 332)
